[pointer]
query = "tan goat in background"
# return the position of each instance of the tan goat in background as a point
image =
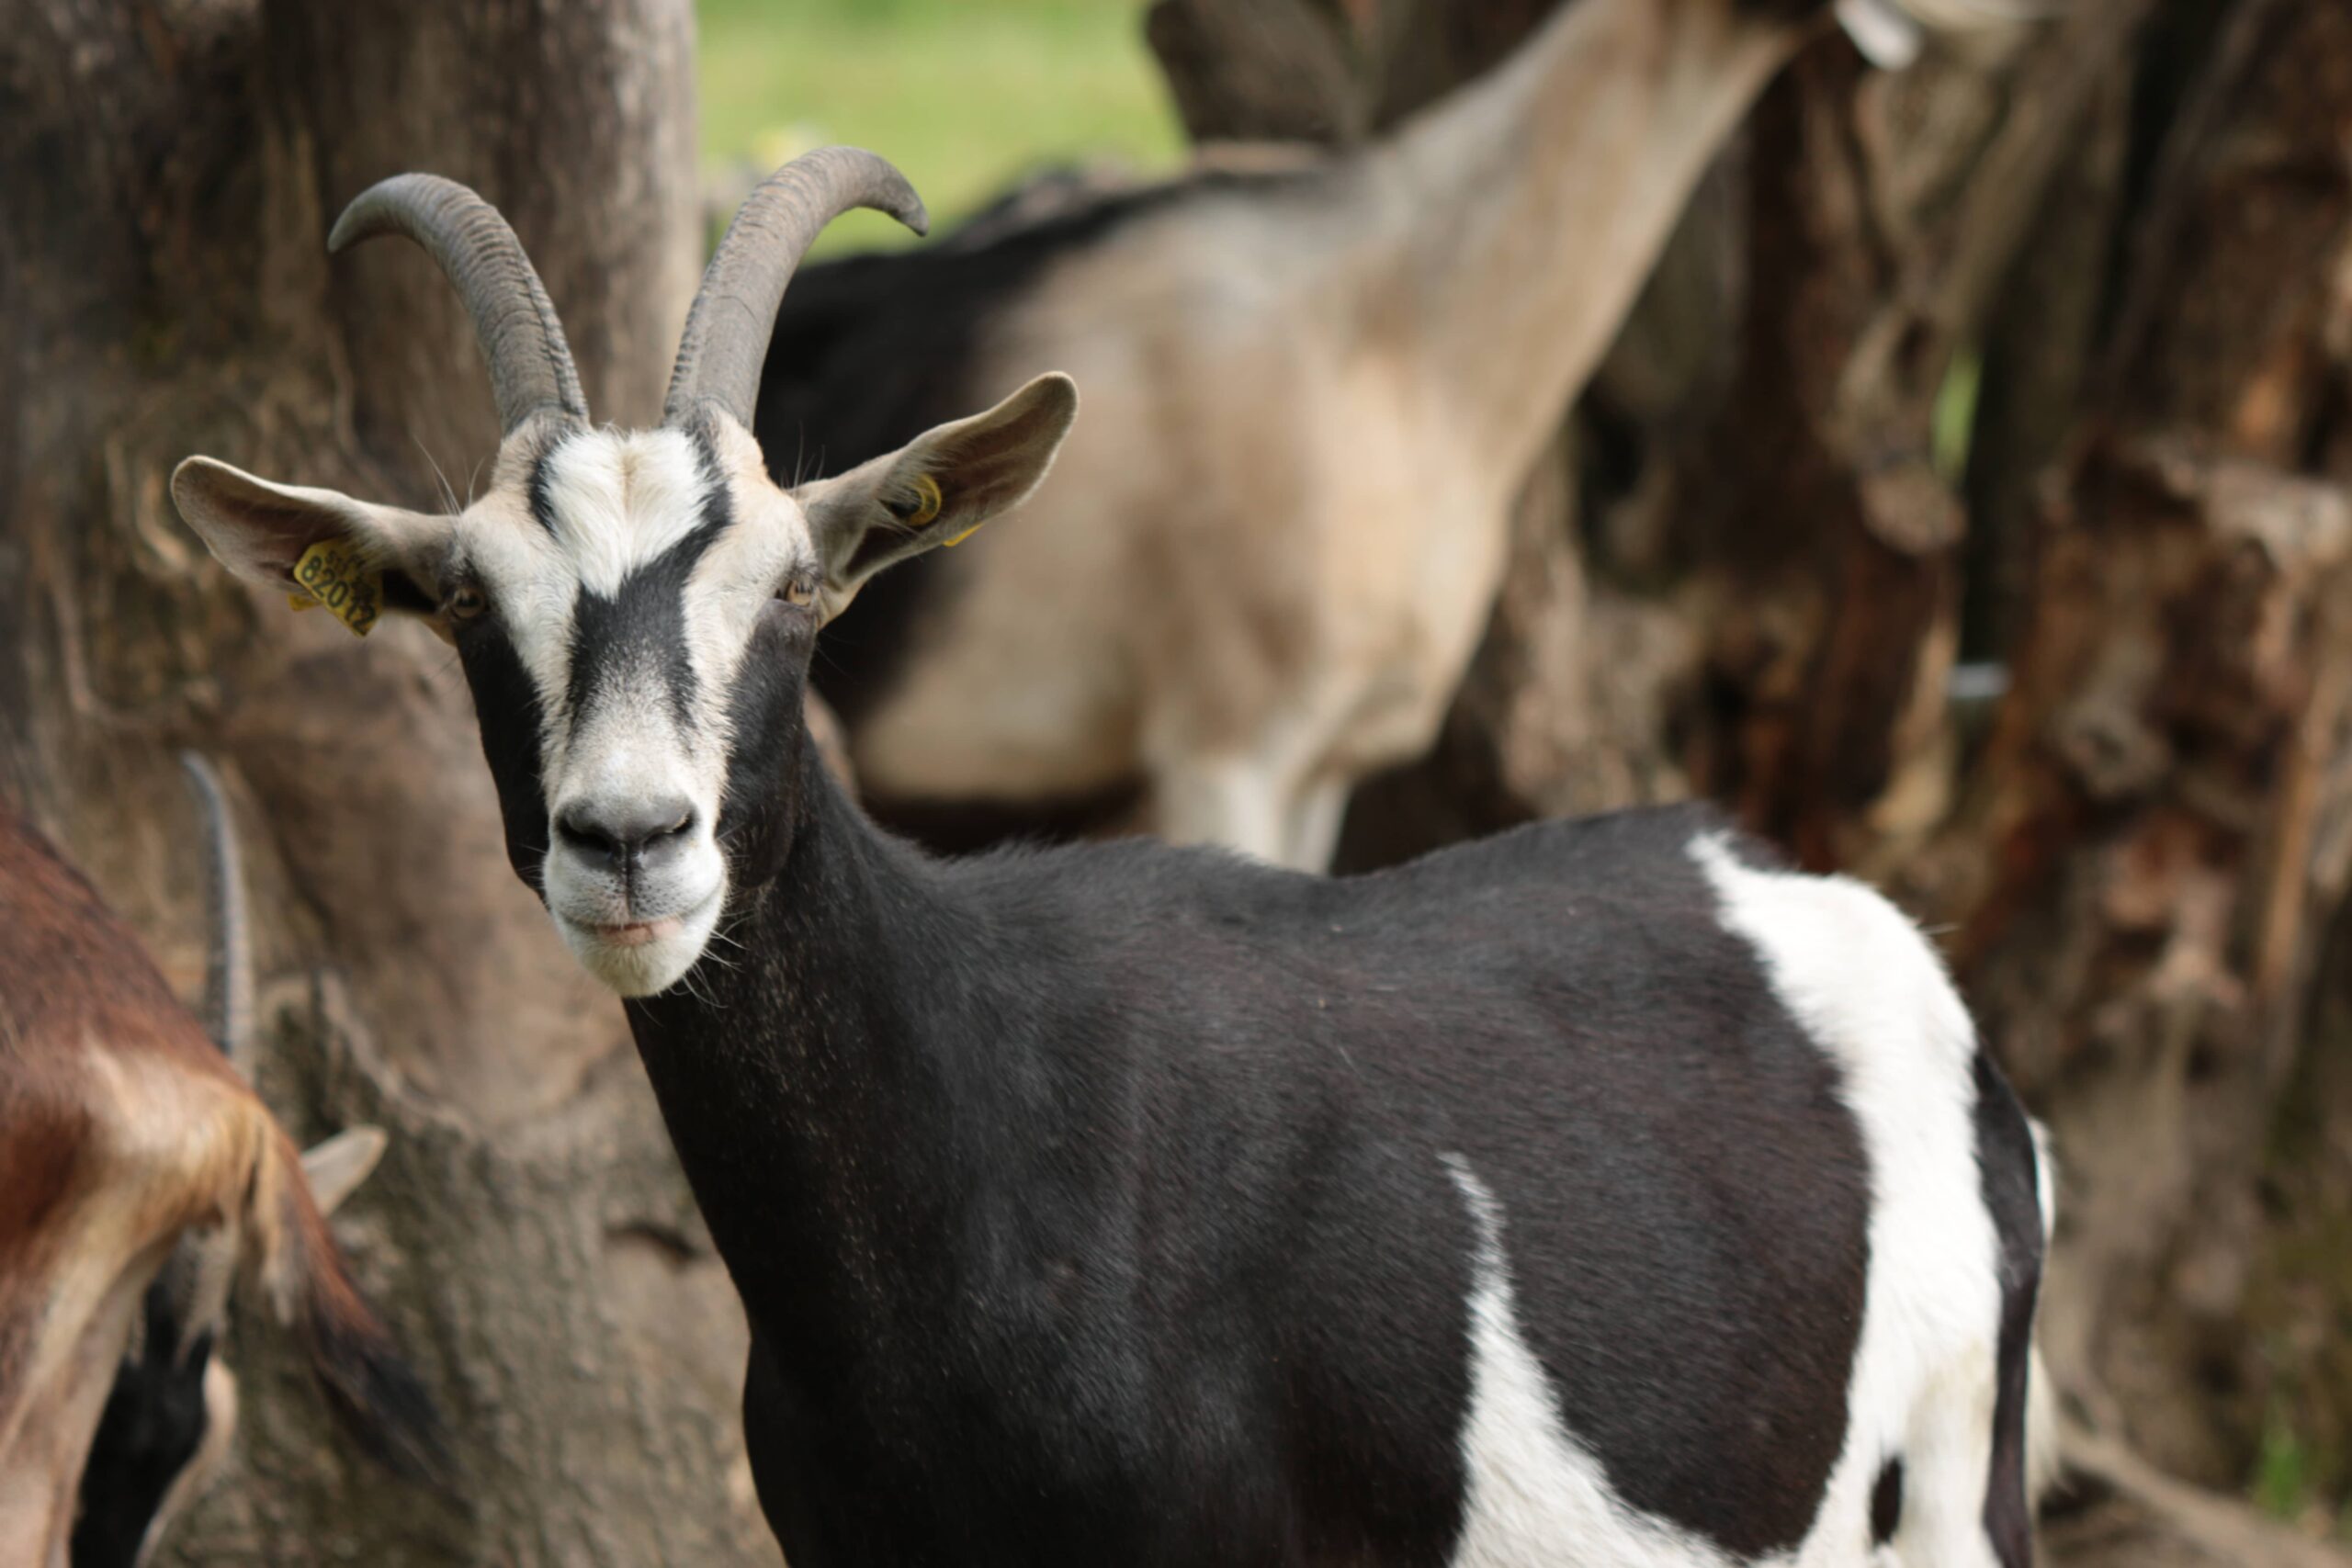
(1274, 539)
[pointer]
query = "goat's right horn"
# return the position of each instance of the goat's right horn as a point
(229, 971)
(203, 1268)
(530, 365)
(725, 345)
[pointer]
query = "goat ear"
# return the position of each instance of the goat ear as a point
(940, 486)
(335, 1168)
(260, 531)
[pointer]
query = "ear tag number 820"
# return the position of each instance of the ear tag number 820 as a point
(337, 577)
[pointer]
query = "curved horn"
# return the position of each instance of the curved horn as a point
(203, 1267)
(530, 365)
(725, 340)
(228, 978)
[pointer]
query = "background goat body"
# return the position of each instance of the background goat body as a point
(1275, 540)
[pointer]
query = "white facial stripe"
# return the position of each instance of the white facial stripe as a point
(608, 503)
(526, 571)
(625, 743)
(617, 499)
(732, 583)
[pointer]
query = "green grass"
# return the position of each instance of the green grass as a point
(966, 96)
(2283, 1478)
(1954, 424)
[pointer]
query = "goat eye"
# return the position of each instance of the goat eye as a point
(467, 603)
(796, 590)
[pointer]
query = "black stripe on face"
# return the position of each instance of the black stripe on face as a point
(542, 504)
(507, 708)
(642, 627)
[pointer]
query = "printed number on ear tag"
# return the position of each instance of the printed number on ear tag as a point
(337, 577)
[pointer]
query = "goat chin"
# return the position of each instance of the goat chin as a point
(647, 958)
(639, 936)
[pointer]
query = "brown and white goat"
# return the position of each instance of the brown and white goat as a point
(127, 1142)
(1271, 546)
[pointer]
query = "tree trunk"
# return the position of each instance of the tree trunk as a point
(2149, 857)
(2030, 361)
(164, 290)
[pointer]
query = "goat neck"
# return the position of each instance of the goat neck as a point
(825, 1124)
(1530, 207)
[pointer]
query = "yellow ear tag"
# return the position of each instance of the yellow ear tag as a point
(337, 577)
(927, 489)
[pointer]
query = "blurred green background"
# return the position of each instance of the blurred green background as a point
(966, 96)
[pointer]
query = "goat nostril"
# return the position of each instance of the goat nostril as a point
(623, 833)
(581, 830)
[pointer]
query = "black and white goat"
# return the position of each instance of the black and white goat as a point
(138, 1174)
(1270, 551)
(1599, 1194)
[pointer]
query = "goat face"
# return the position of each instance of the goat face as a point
(635, 610)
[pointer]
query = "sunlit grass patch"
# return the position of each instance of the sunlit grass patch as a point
(966, 96)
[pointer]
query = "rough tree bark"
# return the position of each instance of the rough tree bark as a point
(2151, 853)
(171, 167)
(2035, 358)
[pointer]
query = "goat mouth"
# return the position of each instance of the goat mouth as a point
(638, 933)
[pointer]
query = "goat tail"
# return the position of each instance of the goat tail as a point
(374, 1393)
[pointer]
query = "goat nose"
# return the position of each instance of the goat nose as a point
(622, 834)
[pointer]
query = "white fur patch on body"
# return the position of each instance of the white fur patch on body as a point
(1867, 989)
(1536, 1496)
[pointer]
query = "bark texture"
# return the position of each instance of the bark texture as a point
(171, 169)
(1965, 507)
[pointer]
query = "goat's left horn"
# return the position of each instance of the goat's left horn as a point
(726, 342)
(530, 365)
